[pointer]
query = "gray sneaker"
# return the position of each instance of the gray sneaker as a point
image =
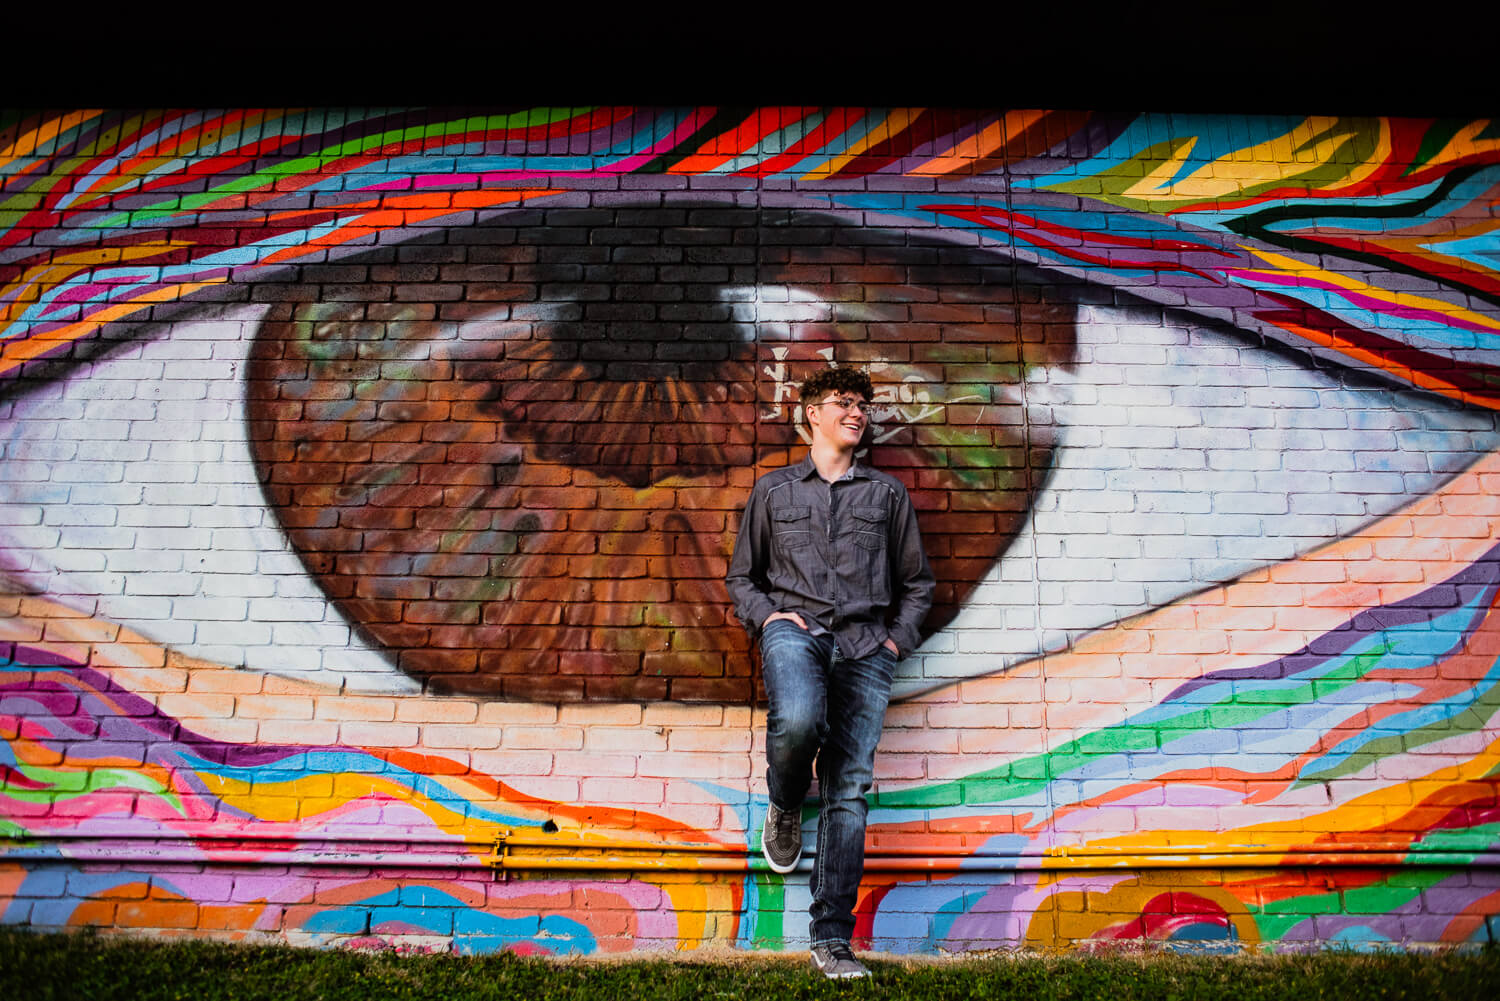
(837, 962)
(781, 838)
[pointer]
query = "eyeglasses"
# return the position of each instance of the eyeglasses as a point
(848, 404)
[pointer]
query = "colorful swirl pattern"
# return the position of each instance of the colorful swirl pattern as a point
(1305, 756)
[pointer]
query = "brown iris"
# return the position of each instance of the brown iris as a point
(530, 489)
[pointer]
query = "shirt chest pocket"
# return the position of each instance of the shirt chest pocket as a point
(792, 527)
(867, 527)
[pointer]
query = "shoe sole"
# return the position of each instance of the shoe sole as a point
(779, 868)
(861, 975)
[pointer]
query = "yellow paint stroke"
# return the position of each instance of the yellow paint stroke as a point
(991, 138)
(1277, 162)
(15, 353)
(1409, 300)
(896, 120)
(1443, 533)
(1309, 830)
(1464, 144)
(27, 143)
(61, 268)
(695, 902)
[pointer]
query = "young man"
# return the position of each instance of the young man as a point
(829, 574)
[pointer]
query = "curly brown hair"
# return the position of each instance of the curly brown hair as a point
(837, 380)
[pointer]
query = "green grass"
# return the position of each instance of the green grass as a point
(36, 967)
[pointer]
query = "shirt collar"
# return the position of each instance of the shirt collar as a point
(806, 469)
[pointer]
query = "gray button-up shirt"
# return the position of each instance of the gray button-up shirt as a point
(846, 556)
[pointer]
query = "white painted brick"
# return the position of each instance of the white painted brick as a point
(180, 493)
(172, 431)
(1212, 439)
(1261, 550)
(20, 514)
(1092, 458)
(204, 371)
(161, 584)
(1071, 523)
(128, 452)
(17, 471)
(211, 609)
(1156, 567)
(119, 410)
(79, 390)
(1101, 547)
(1249, 503)
(168, 472)
(1128, 354)
(1155, 523)
(1369, 483)
(164, 516)
(310, 634)
(1105, 591)
(145, 561)
(1238, 419)
(1287, 440)
(221, 562)
(1172, 503)
(1314, 479)
(171, 632)
(1101, 502)
(236, 473)
(84, 537)
(106, 493)
(1406, 462)
(187, 451)
(45, 451)
(82, 514)
(1068, 569)
(1325, 503)
(1097, 415)
(145, 608)
(173, 387)
(1140, 437)
(79, 561)
(288, 610)
(279, 563)
(217, 411)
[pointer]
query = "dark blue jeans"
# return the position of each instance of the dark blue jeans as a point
(829, 708)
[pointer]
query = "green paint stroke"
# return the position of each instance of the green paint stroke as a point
(312, 163)
(1381, 897)
(1030, 776)
(1357, 141)
(1473, 719)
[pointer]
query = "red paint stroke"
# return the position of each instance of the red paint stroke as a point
(1387, 178)
(1477, 276)
(1168, 913)
(1364, 300)
(1053, 236)
(866, 910)
(835, 123)
(891, 149)
(726, 146)
(1469, 382)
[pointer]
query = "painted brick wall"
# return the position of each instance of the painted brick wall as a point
(367, 484)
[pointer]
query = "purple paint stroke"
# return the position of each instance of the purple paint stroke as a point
(99, 698)
(1437, 903)
(684, 130)
(1476, 584)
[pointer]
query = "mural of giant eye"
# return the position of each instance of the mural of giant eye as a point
(533, 493)
(368, 482)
